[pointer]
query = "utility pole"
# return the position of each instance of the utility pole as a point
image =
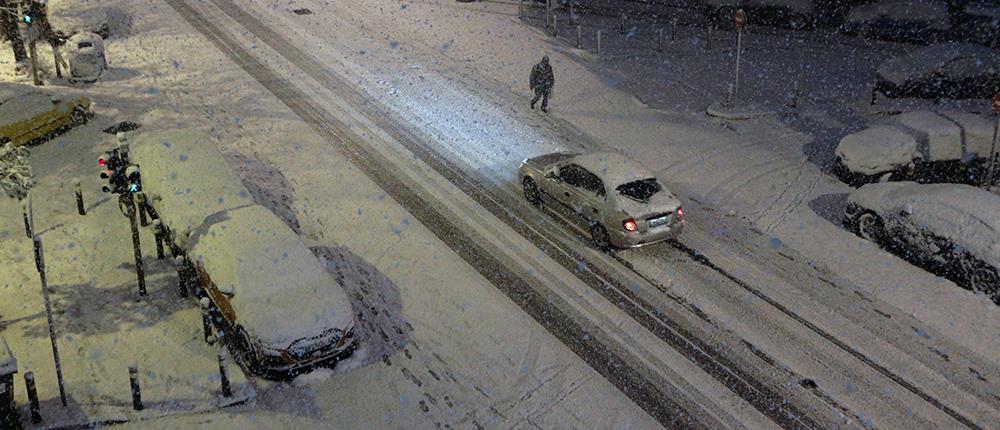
(991, 170)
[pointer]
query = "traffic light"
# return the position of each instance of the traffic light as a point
(113, 172)
(133, 180)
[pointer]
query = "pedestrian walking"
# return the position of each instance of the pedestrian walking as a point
(541, 82)
(8, 25)
(39, 12)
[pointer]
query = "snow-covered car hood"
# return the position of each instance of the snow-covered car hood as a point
(877, 149)
(22, 102)
(281, 291)
(965, 215)
(69, 17)
(935, 13)
(922, 62)
(662, 201)
(803, 6)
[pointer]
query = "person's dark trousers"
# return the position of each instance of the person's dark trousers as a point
(8, 23)
(541, 93)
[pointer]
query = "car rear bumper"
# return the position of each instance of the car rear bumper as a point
(637, 240)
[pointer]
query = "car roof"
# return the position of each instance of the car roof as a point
(919, 62)
(972, 201)
(613, 168)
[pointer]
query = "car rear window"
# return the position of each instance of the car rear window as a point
(640, 190)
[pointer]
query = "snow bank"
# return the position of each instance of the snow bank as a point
(970, 60)
(281, 291)
(877, 149)
(8, 364)
(964, 214)
(187, 178)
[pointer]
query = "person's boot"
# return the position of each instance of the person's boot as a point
(545, 109)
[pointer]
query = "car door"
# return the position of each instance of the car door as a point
(586, 197)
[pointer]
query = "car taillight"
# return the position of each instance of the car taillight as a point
(680, 213)
(630, 225)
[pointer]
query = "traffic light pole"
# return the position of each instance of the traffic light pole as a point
(129, 203)
(33, 55)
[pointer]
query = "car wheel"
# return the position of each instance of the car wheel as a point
(599, 235)
(979, 277)
(869, 226)
(79, 116)
(531, 192)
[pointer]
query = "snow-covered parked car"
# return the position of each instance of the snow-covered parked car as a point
(30, 114)
(281, 310)
(618, 200)
(86, 57)
(69, 17)
(949, 70)
(952, 230)
(909, 20)
(920, 145)
(791, 13)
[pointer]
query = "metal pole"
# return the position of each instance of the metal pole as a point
(139, 272)
(158, 234)
(33, 54)
(79, 197)
(659, 40)
(579, 37)
(56, 58)
(621, 28)
(708, 38)
(26, 214)
(673, 29)
(548, 13)
(206, 319)
(29, 384)
(989, 180)
(598, 42)
(227, 391)
(555, 26)
(141, 197)
(133, 379)
(520, 9)
(739, 49)
(572, 14)
(40, 266)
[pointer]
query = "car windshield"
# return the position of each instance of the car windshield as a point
(640, 190)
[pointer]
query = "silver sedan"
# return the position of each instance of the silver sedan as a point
(619, 201)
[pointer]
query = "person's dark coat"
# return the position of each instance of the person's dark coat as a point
(542, 77)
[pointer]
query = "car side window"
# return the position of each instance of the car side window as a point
(572, 174)
(593, 183)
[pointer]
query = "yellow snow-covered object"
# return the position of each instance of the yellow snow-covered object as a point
(30, 115)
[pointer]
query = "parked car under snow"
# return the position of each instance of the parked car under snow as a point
(952, 230)
(903, 20)
(30, 114)
(942, 71)
(282, 311)
(920, 145)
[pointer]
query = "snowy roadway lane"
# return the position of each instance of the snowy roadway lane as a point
(817, 355)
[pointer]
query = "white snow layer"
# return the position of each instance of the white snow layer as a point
(954, 59)
(877, 149)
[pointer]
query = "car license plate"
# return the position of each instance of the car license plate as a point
(656, 222)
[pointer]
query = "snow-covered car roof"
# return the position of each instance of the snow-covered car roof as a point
(923, 135)
(22, 102)
(933, 12)
(8, 364)
(281, 291)
(964, 214)
(954, 59)
(613, 168)
(69, 17)
(187, 177)
(800, 6)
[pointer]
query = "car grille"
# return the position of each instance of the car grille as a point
(658, 220)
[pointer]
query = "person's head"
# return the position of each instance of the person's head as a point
(545, 59)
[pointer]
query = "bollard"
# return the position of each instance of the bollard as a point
(673, 29)
(158, 235)
(141, 203)
(732, 96)
(598, 42)
(227, 391)
(795, 94)
(659, 40)
(182, 275)
(555, 26)
(206, 320)
(79, 197)
(621, 28)
(520, 9)
(579, 37)
(708, 38)
(133, 379)
(27, 219)
(29, 384)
